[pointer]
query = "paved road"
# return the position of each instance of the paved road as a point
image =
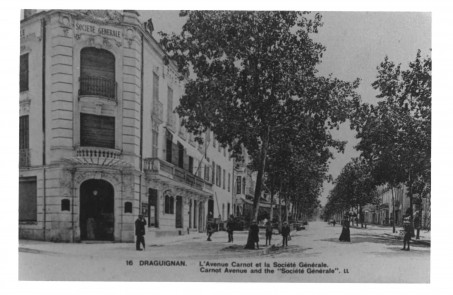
(313, 255)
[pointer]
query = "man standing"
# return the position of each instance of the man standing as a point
(140, 232)
(230, 228)
(407, 232)
(285, 233)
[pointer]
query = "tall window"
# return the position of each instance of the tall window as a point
(169, 205)
(97, 131)
(23, 78)
(180, 155)
(223, 179)
(243, 185)
(229, 182)
(169, 146)
(155, 87)
(218, 176)
(238, 185)
(213, 173)
(27, 199)
(97, 72)
(155, 139)
(170, 106)
(206, 172)
(23, 133)
(24, 153)
(191, 165)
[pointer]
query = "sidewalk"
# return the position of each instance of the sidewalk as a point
(193, 246)
(387, 231)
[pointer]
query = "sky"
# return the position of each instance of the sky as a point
(356, 43)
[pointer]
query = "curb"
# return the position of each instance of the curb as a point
(422, 242)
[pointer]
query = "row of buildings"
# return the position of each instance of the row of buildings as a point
(100, 141)
(392, 204)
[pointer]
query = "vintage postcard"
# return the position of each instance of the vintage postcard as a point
(225, 146)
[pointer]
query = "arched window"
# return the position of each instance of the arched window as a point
(97, 73)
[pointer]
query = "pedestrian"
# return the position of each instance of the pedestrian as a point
(140, 232)
(285, 234)
(210, 230)
(230, 228)
(254, 234)
(268, 232)
(407, 232)
(334, 222)
(417, 224)
(345, 233)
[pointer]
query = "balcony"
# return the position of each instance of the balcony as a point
(97, 152)
(160, 167)
(24, 158)
(98, 86)
(157, 112)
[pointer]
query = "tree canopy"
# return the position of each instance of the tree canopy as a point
(252, 80)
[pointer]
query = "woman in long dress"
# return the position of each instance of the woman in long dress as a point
(345, 233)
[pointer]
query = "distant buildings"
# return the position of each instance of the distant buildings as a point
(398, 202)
(100, 142)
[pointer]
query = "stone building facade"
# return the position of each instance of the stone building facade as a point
(100, 142)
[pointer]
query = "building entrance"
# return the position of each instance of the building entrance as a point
(96, 210)
(179, 221)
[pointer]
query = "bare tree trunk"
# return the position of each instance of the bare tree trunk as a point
(393, 210)
(259, 179)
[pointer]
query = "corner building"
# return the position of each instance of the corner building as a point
(100, 142)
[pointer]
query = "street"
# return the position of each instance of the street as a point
(313, 255)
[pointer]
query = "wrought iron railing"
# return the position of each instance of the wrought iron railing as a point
(158, 166)
(98, 86)
(24, 158)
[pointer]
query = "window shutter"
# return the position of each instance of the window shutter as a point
(174, 154)
(98, 63)
(186, 161)
(98, 131)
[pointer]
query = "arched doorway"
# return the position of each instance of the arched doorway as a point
(96, 210)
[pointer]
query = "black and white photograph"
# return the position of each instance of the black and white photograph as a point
(226, 145)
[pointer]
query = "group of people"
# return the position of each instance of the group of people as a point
(253, 232)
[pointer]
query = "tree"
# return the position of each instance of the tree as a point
(354, 187)
(395, 135)
(251, 74)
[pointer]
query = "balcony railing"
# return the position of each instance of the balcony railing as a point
(97, 152)
(156, 165)
(98, 86)
(24, 158)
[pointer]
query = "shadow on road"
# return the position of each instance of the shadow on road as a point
(361, 238)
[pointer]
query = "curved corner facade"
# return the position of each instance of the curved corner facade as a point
(100, 142)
